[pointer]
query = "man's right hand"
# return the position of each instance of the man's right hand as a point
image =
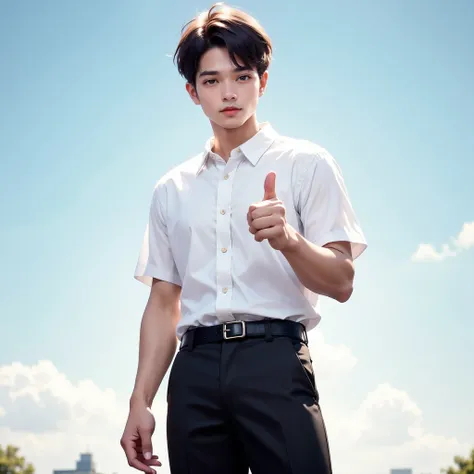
(136, 439)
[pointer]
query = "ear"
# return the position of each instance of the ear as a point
(193, 93)
(263, 83)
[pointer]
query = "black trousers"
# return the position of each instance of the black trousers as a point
(249, 403)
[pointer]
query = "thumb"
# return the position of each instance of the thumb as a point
(269, 186)
(147, 447)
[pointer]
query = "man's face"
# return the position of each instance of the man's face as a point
(220, 85)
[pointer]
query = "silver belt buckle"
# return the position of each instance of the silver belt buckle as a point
(226, 330)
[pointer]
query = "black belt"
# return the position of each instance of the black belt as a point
(234, 330)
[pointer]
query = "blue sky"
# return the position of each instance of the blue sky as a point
(93, 112)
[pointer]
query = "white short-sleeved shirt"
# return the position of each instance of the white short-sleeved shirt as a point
(198, 236)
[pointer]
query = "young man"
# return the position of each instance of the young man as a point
(241, 240)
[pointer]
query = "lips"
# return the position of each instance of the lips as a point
(230, 109)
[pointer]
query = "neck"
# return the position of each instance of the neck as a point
(225, 140)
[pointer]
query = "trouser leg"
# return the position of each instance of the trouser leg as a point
(199, 433)
(274, 402)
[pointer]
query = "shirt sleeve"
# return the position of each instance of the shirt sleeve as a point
(156, 259)
(326, 211)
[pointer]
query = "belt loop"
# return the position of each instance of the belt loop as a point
(191, 340)
(268, 331)
(189, 334)
(305, 335)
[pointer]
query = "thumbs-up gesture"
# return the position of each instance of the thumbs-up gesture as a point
(267, 219)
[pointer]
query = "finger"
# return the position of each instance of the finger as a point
(132, 458)
(252, 230)
(267, 234)
(140, 455)
(252, 208)
(265, 222)
(154, 461)
(147, 448)
(263, 211)
(269, 186)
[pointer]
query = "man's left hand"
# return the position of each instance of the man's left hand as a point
(267, 219)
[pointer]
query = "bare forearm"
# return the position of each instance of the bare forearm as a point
(320, 269)
(157, 348)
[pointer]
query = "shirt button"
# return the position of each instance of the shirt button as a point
(225, 290)
(222, 211)
(226, 176)
(224, 250)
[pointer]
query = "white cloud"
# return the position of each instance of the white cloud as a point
(329, 360)
(464, 240)
(386, 431)
(427, 253)
(387, 417)
(38, 398)
(52, 419)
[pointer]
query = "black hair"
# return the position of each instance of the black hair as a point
(226, 27)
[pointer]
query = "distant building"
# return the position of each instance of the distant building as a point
(401, 471)
(85, 465)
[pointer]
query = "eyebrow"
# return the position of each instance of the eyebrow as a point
(216, 73)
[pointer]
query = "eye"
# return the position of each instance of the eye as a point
(209, 81)
(246, 76)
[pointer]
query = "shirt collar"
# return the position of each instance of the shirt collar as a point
(253, 149)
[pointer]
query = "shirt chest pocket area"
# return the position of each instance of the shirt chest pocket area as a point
(193, 217)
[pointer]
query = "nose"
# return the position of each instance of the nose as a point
(230, 96)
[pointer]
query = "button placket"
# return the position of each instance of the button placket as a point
(223, 245)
